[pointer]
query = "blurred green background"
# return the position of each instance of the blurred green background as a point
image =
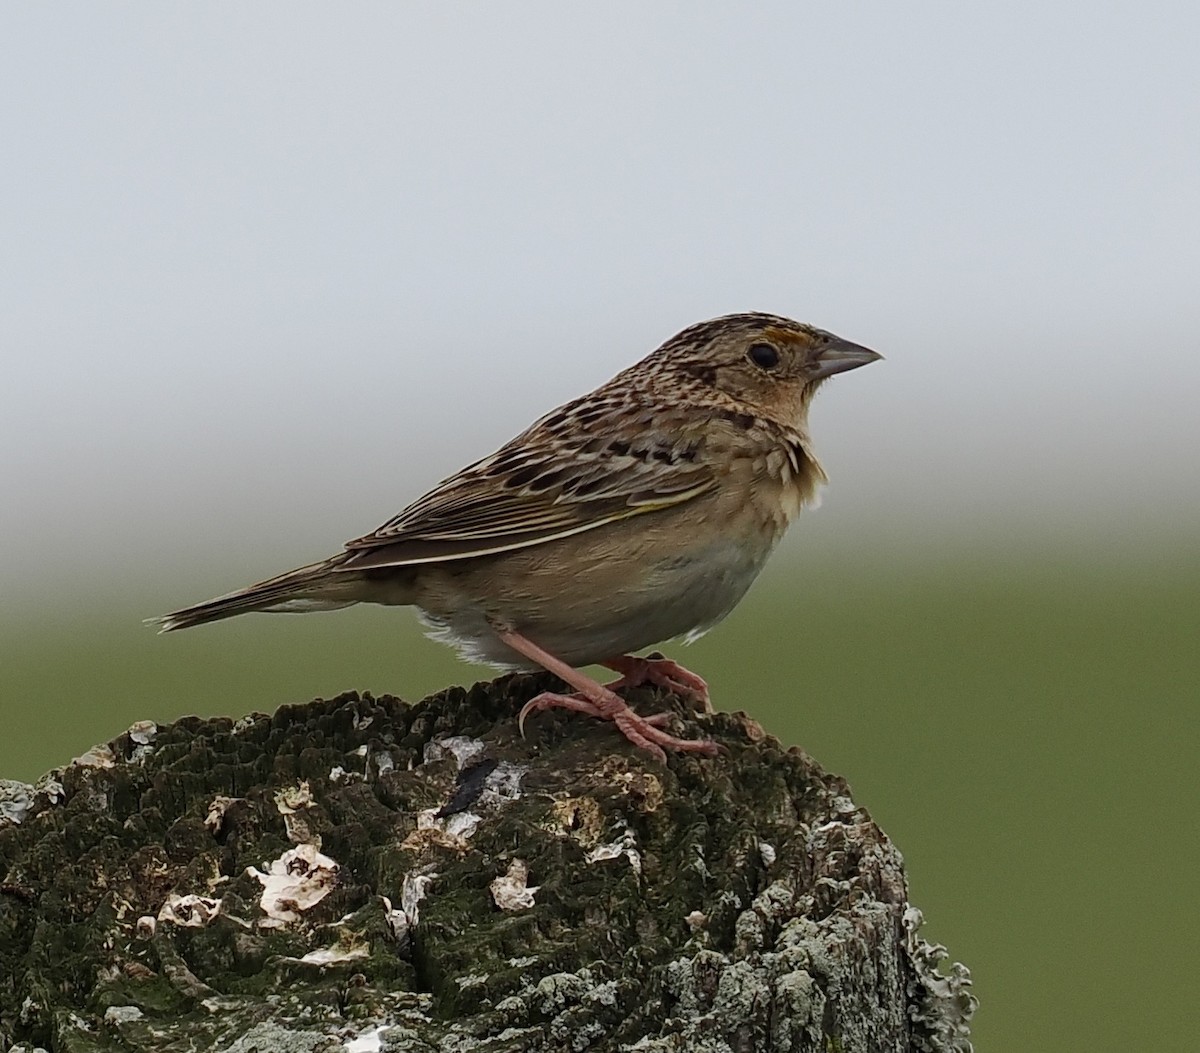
(1022, 723)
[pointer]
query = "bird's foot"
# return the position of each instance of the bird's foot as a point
(644, 732)
(592, 699)
(661, 672)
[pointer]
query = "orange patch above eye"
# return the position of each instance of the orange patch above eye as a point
(788, 336)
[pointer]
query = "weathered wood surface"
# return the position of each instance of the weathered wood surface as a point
(361, 874)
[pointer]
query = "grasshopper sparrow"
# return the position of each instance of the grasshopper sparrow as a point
(639, 512)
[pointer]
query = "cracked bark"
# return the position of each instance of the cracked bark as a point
(363, 874)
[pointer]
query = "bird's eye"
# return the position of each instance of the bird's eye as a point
(763, 355)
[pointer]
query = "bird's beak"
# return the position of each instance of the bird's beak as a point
(841, 355)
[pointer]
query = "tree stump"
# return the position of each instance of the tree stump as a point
(361, 874)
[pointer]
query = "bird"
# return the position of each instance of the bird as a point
(638, 513)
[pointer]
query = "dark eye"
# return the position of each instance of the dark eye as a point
(763, 355)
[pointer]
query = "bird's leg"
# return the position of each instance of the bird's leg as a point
(661, 672)
(598, 701)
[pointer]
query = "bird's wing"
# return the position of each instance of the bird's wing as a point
(589, 463)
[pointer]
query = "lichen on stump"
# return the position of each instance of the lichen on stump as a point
(363, 874)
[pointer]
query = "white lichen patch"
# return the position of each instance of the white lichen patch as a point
(523, 962)
(502, 785)
(143, 732)
(766, 852)
(462, 825)
(16, 801)
(292, 799)
(845, 807)
(512, 891)
(51, 787)
(295, 882)
(946, 1002)
(96, 757)
(402, 920)
(413, 890)
(293, 803)
(435, 830)
(216, 813)
(370, 1041)
(397, 923)
(335, 955)
(624, 845)
(189, 911)
(462, 748)
(697, 920)
(142, 735)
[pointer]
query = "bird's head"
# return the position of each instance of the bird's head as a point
(765, 361)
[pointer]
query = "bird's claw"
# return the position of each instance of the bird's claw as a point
(644, 732)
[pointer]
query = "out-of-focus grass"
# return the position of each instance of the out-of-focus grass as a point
(1024, 729)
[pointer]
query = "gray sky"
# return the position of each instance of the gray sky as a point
(267, 271)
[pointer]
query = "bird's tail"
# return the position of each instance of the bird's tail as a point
(311, 588)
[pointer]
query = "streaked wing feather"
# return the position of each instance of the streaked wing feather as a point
(552, 481)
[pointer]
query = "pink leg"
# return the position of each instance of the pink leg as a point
(598, 701)
(661, 672)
